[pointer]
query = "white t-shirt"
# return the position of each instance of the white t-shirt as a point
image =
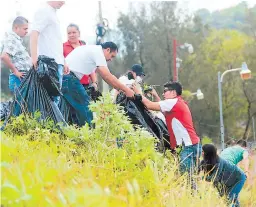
(124, 80)
(50, 41)
(85, 59)
(168, 104)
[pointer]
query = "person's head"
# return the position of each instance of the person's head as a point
(136, 73)
(73, 33)
(230, 143)
(56, 4)
(210, 156)
(20, 26)
(172, 90)
(110, 50)
(242, 143)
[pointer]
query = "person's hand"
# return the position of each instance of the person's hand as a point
(19, 74)
(153, 92)
(95, 85)
(34, 62)
(135, 88)
(66, 69)
(149, 95)
(129, 93)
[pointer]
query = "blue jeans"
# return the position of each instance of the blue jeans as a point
(189, 161)
(60, 75)
(233, 194)
(189, 158)
(78, 98)
(14, 82)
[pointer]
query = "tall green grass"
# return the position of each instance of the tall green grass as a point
(41, 166)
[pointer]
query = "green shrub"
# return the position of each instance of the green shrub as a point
(44, 166)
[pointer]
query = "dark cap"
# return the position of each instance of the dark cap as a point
(136, 68)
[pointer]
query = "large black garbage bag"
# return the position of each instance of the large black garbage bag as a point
(69, 112)
(32, 96)
(93, 93)
(165, 132)
(139, 115)
(47, 71)
(4, 109)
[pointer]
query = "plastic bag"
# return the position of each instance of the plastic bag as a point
(165, 132)
(69, 112)
(93, 94)
(139, 115)
(48, 74)
(4, 109)
(33, 95)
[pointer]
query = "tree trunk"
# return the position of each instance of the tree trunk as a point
(248, 113)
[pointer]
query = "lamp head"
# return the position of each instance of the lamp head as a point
(245, 73)
(199, 94)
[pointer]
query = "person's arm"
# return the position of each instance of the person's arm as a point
(163, 106)
(113, 81)
(93, 77)
(246, 162)
(7, 60)
(94, 80)
(155, 95)
(33, 47)
(10, 50)
(155, 106)
(40, 22)
(66, 68)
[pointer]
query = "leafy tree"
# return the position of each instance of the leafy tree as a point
(222, 50)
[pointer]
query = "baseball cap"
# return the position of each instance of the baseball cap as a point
(136, 68)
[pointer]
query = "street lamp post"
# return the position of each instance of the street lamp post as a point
(174, 56)
(245, 74)
(100, 32)
(253, 129)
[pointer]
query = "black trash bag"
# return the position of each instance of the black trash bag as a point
(93, 93)
(4, 109)
(139, 115)
(32, 96)
(47, 71)
(69, 112)
(164, 129)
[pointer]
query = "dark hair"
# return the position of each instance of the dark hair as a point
(73, 25)
(19, 21)
(174, 86)
(230, 142)
(242, 143)
(210, 157)
(111, 45)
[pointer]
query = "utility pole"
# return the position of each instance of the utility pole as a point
(174, 55)
(102, 83)
(253, 129)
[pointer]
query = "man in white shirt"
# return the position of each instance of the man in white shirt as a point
(45, 38)
(85, 60)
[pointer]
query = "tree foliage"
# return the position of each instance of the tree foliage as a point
(148, 32)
